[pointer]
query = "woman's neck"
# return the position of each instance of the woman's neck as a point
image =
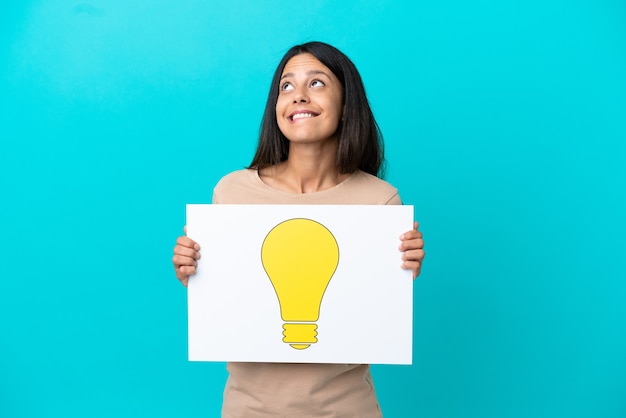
(307, 169)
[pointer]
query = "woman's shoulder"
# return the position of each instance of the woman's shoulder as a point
(241, 186)
(238, 178)
(374, 187)
(363, 179)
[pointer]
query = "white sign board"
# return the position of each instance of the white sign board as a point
(300, 284)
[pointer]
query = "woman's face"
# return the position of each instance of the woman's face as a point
(310, 102)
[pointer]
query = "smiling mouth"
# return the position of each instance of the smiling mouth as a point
(303, 115)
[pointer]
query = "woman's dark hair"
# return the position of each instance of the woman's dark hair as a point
(360, 145)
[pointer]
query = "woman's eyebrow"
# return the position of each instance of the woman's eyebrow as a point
(310, 72)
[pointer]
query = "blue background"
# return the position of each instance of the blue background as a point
(504, 125)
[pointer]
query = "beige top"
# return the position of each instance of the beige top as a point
(301, 390)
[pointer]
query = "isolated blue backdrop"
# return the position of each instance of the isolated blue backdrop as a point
(505, 127)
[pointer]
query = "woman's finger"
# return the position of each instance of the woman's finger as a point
(414, 255)
(415, 266)
(186, 252)
(185, 271)
(187, 242)
(183, 260)
(412, 244)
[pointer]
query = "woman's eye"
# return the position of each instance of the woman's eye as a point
(286, 87)
(317, 83)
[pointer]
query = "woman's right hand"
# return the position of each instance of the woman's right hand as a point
(186, 256)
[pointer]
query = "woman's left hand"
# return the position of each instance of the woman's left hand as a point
(412, 248)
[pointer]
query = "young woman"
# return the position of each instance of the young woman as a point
(319, 144)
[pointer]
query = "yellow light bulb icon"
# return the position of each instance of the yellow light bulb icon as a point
(300, 257)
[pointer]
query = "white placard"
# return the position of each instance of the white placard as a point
(363, 314)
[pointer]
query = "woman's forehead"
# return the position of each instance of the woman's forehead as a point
(304, 62)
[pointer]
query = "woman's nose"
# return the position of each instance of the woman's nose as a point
(300, 96)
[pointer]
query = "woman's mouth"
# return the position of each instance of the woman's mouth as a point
(302, 115)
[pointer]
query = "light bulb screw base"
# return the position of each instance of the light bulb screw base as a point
(300, 336)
